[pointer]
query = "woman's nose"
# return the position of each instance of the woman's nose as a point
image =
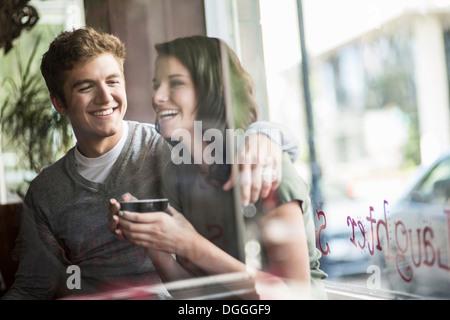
(161, 94)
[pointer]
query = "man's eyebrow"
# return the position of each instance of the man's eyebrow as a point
(82, 82)
(90, 81)
(113, 76)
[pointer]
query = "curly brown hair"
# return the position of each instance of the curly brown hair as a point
(77, 46)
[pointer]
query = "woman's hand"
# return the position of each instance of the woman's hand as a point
(114, 209)
(170, 232)
(166, 231)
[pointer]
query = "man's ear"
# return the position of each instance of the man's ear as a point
(58, 103)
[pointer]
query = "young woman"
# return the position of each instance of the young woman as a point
(196, 78)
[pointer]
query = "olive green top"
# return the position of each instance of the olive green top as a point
(212, 212)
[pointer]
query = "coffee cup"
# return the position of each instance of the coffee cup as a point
(144, 205)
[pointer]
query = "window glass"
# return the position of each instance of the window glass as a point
(434, 189)
(379, 94)
(372, 121)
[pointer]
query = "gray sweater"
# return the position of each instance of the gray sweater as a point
(65, 223)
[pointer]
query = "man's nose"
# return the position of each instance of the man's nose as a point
(103, 95)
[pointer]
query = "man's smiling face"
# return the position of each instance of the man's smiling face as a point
(95, 102)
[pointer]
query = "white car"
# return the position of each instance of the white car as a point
(416, 251)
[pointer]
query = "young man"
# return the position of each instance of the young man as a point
(65, 221)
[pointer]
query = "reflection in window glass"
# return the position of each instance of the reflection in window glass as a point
(379, 84)
(435, 188)
(382, 110)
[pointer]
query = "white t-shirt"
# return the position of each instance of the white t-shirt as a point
(97, 169)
